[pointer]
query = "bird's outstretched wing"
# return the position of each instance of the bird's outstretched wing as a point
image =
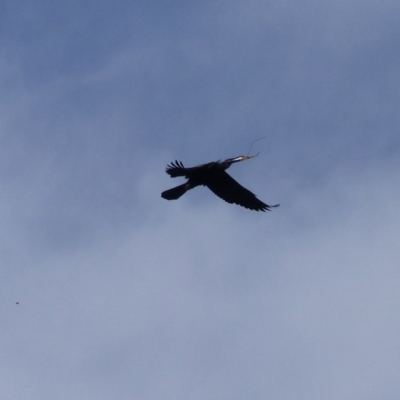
(225, 187)
(176, 169)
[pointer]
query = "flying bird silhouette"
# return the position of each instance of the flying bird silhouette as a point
(213, 176)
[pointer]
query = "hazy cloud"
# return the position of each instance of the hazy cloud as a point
(122, 294)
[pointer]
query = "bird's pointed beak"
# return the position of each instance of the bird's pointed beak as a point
(237, 159)
(242, 158)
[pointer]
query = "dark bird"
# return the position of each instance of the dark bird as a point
(213, 176)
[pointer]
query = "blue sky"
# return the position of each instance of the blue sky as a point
(125, 295)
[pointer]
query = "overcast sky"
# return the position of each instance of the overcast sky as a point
(123, 295)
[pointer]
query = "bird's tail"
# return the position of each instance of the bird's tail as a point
(174, 193)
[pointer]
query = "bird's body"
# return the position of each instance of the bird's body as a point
(213, 176)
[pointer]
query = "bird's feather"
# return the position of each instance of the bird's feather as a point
(225, 187)
(175, 169)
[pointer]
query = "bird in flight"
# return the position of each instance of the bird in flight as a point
(213, 176)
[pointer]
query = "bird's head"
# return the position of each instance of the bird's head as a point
(239, 158)
(228, 162)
